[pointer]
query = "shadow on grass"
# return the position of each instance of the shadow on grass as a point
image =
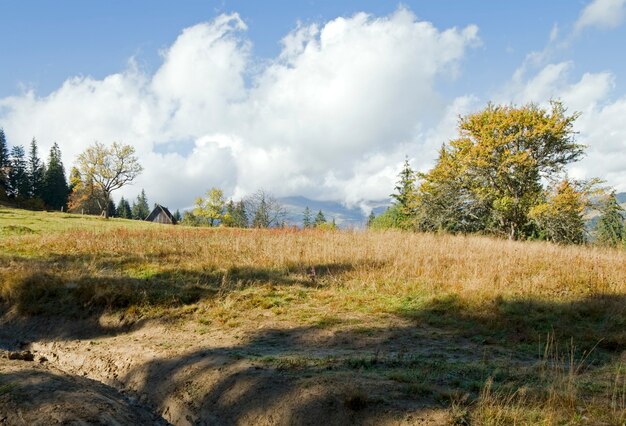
(66, 287)
(597, 320)
(340, 373)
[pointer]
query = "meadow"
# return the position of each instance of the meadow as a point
(459, 329)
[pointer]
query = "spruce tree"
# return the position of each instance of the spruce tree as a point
(406, 194)
(4, 164)
(610, 228)
(177, 216)
(55, 190)
(261, 215)
(36, 172)
(111, 209)
(123, 209)
(241, 216)
(18, 173)
(141, 209)
(307, 220)
(320, 219)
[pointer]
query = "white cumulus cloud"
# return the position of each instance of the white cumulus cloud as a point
(331, 117)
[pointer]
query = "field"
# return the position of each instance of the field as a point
(225, 326)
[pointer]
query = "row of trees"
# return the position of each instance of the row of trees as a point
(28, 181)
(319, 221)
(259, 210)
(504, 175)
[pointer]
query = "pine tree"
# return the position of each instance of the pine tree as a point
(123, 209)
(55, 191)
(261, 216)
(610, 229)
(111, 210)
(141, 209)
(177, 216)
(18, 174)
(320, 219)
(4, 164)
(240, 217)
(36, 172)
(406, 195)
(307, 220)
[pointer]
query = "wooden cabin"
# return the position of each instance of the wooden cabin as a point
(161, 214)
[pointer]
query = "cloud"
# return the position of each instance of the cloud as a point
(603, 14)
(331, 117)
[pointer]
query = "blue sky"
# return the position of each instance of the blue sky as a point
(45, 42)
(210, 95)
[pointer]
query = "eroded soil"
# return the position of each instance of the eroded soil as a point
(262, 372)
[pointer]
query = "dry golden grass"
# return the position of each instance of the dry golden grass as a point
(504, 293)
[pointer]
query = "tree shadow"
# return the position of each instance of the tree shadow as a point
(36, 288)
(305, 375)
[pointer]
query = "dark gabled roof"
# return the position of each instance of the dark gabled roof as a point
(158, 209)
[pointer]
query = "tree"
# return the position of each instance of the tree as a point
(110, 168)
(84, 197)
(111, 209)
(123, 209)
(406, 195)
(390, 218)
(18, 173)
(490, 177)
(4, 164)
(211, 208)
(610, 229)
(55, 186)
(370, 219)
(177, 216)
(265, 210)
(141, 208)
(320, 219)
(36, 170)
(560, 217)
(240, 216)
(307, 220)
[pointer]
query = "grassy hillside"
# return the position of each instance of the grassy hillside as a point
(494, 330)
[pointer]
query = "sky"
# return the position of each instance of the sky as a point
(317, 98)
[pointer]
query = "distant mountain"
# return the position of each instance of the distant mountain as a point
(345, 217)
(355, 217)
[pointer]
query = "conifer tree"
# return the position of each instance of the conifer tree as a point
(111, 209)
(177, 216)
(141, 209)
(261, 215)
(36, 172)
(307, 220)
(240, 217)
(18, 174)
(320, 219)
(123, 209)
(406, 194)
(610, 229)
(55, 191)
(4, 164)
